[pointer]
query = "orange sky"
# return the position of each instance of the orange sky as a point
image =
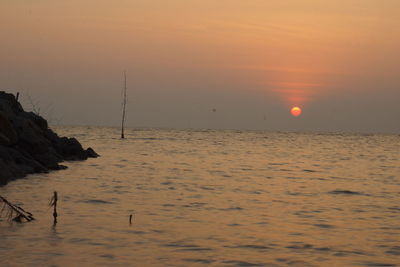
(297, 52)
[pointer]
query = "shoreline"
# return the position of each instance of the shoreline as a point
(28, 145)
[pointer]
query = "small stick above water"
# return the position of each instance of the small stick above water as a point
(130, 218)
(53, 202)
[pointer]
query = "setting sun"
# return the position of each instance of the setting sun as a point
(296, 111)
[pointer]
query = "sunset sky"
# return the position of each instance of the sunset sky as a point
(250, 60)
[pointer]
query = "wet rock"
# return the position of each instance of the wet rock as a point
(8, 134)
(27, 145)
(39, 121)
(4, 140)
(91, 153)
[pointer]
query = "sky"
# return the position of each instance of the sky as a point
(220, 64)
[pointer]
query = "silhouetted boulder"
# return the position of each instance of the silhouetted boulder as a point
(27, 145)
(39, 121)
(8, 136)
(91, 153)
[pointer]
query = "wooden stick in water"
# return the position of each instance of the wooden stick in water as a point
(15, 210)
(53, 202)
(123, 108)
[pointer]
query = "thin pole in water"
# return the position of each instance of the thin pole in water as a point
(53, 203)
(123, 108)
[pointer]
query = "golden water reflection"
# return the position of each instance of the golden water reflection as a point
(221, 198)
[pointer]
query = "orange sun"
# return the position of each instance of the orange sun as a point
(296, 111)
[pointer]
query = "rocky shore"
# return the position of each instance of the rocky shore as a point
(27, 145)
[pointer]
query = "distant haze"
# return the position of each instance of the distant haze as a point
(224, 64)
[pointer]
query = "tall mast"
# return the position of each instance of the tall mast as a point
(123, 108)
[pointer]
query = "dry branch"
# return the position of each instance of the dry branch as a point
(53, 203)
(14, 212)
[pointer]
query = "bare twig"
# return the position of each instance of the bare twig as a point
(34, 105)
(14, 212)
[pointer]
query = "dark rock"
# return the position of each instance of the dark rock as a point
(39, 121)
(27, 145)
(7, 129)
(9, 105)
(4, 140)
(91, 153)
(72, 149)
(50, 159)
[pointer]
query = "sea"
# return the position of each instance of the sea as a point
(212, 198)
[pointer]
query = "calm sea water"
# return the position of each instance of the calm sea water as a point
(219, 198)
